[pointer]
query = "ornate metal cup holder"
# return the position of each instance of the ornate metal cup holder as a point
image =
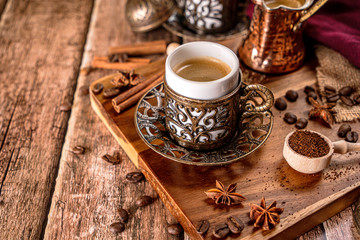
(175, 25)
(253, 131)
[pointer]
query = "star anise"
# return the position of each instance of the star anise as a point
(323, 112)
(265, 217)
(225, 196)
(125, 79)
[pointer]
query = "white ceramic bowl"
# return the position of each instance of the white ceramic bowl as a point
(202, 90)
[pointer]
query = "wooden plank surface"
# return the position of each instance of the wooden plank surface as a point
(89, 190)
(308, 199)
(41, 46)
(40, 52)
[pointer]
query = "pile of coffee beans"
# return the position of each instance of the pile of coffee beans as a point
(345, 95)
(292, 96)
(344, 131)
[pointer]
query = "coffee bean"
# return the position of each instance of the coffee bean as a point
(280, 104)
(329, 90)
(343, 130)
(347, 100)
(111, 92)
(174, 229)
(333, 97)
(346, 91)
(112, 159)
(311, 95)
(235, 224)
(84, 90)
(134, 176)
(290, 118)
(352, 137)
(117, 227)
(78, 150)
(291, 95)
(356, 99)
(123, 215)
(65, 107)
(308, 89)
(221, 230)
(98, 88)
(202, 226)
(143, 201)
(301, 123)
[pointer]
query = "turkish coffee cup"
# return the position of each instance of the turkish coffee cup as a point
(203, 88)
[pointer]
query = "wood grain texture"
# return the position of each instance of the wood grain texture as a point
(308, 199)
(39, 60)
(89, 190)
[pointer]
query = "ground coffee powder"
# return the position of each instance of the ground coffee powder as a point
(308, 144)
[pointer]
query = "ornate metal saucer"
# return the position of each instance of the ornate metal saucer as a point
(175, 25)
(250, 135)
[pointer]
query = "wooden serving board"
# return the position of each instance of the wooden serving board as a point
(308, 200)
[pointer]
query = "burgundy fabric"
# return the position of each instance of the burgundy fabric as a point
(336, 25)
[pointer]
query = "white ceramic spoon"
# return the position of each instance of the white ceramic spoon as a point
(309, 165)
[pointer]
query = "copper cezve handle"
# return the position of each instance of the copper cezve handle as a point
(309, 13)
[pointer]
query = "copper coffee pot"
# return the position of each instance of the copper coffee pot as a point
(275, 43)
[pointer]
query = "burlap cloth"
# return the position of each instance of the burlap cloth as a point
(336, 71)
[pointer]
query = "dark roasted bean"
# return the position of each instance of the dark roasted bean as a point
(98, 88)
(343, 130)
(301, 123)
(78, 149)
(84, 91)
(221, 230)
(352, 137)
(329, 90)
(117, 227)
(143, 201)
(174, 229)
(123, 215)
(346, 91)
(134, 177)
(311, 95)
(291, 95)
(308, 89)
(280, 104)
(112, 159)
(235, 224)
(202, 226)
(347, 100)
(333, 97)
(356, 99)
(111, 92)
(65, 107)
(290, 118)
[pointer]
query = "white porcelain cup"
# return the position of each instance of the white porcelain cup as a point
(202, 90)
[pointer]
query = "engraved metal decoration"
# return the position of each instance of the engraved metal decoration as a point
(175, 25)
(210, 16)
(252, 130)
(145, 15)
(201, 124)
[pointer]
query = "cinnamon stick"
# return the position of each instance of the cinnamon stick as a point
(130, 59)
(136, 97)
(126, 66)
(128, 93)
(145, 48)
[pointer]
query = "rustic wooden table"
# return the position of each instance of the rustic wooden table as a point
(46, 191)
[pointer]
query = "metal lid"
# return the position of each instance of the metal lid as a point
(145, 15)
